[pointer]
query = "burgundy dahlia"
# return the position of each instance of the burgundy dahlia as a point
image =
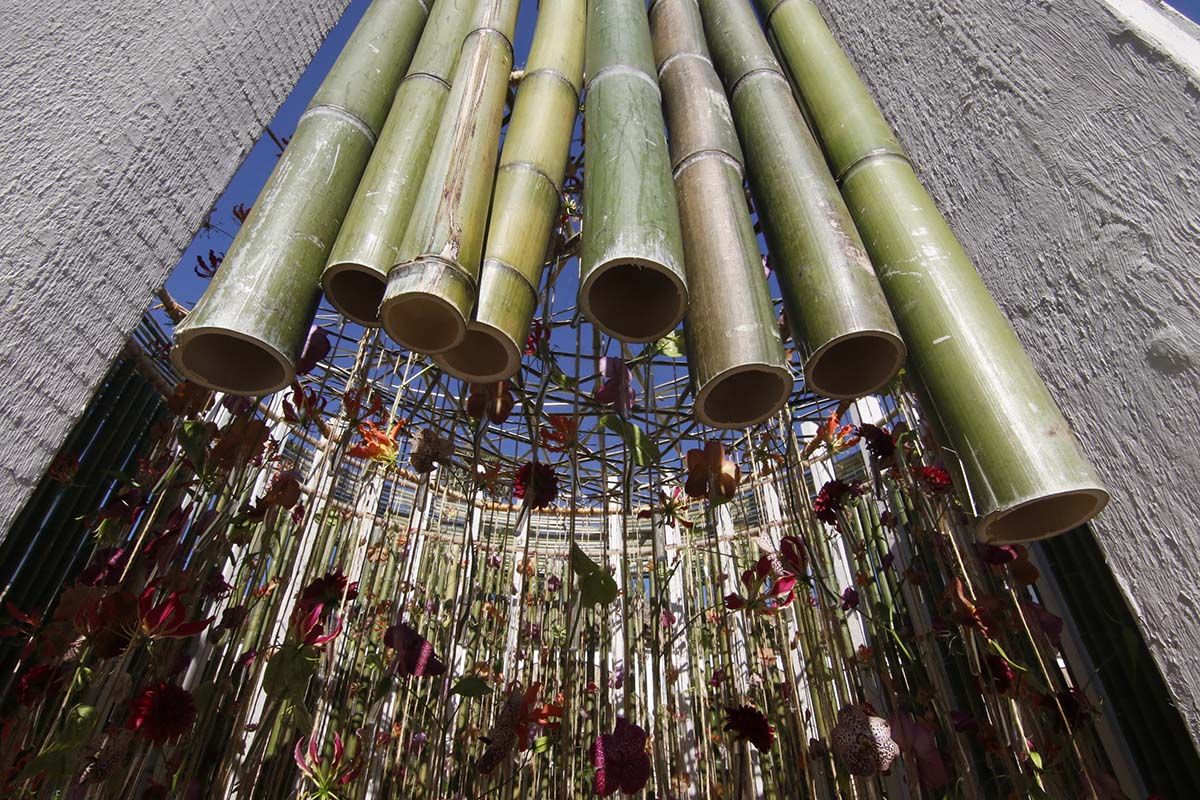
(329, 589)
(536, 483)
(879, 442)
(620, 759)
(935, 479)
(831, 498)
(748, 724)
(161, 712)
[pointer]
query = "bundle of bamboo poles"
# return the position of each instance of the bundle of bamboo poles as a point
(835, 307)
(631, 269)
(248, 329)
(431, 289)
(367, 247)
(1016, 460)
(734, 347)
(526, 201)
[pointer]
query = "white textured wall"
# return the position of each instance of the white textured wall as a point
(120, 124)
(1062, 140)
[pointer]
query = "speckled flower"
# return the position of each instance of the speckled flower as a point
(862, 742)
(620, 759)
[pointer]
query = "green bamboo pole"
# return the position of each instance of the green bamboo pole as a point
(245, 334)
(632, 284)
(734, 348)
(526, 199)
(370, 238)
(1014, 457)
(431, 289)
(838, 314)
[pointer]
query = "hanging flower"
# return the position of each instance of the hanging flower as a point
(106, 567)
(832, 498)
(161, 712)
(748, 724)
(429, 448)
(325, 776)
(879, 443)
(620, 759)
(536, 484)
(494, 401)
(329, 589)
(308, 626)
(1050, 623)
(862, 742)
(766, 593)
(316, 347)
(306, 406)
(108, 625)
(414, 653)
(616, 385)
(539, 334)
(999, 556)
(935, 479)
(553, 583)
(215, 586)
(166, 620)
(672, 509)
(378, 445)
(710, 474)
(850, 599)
(514, 724)
(793, 556)
(352, 405)
(38, 682)
(562, 435)
(1002, 675)
(962, 610)
(832, 435)
(917, 741)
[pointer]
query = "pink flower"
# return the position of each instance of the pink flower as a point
(616, 385)
(308, 626)
(766, 593)
(917, 741)
(166, 620)
(793, 556)
(325, 775)
(620, 759)
(161, 712)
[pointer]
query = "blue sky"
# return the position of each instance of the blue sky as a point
(253, 173)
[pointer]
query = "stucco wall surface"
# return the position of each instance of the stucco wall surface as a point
(120, 125)
(1062, 140)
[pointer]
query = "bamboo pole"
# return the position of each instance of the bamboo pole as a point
(370, 238)
(431, 289)
(1018, 464)
(632, 283)
(734, 348)
(527, 197)
(245, 334)
(838, 314)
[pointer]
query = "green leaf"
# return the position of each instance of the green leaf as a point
(193, 438)
(596, 585)
(289, 671)
(541, 744)
(672, 345)
(471, 686)
(645, 452)
(1036, 758)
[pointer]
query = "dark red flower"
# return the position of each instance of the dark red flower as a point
(879, 442)
(105, 568)
(620, 759)
(999, 555)
(109, 624)
(830, 500)
(918, 741)
(850, 599)
(37, 683)
(215, 586)
(308, 625)
(793, 556)
(935, 479)
(748, 724)
(538, 333)
(1002, 674)
(963, 722)
(329, 589)
(536, 483)
(316, 347)
(161, 712)
(233, 617)
(414, 653)
(166, 620)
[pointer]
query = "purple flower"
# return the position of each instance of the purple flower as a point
(414, 653)
(316, 347)
(553, 583)
(620, 759)
(850, 599)
(616, 385)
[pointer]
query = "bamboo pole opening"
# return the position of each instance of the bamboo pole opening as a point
(485, 355)
(1042, 517)
(743, 396)
(358, 291)
(855, 365)
(425, 312)
(228, 361)
(633, 299)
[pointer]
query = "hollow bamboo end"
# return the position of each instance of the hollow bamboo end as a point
(743, 396)
(855, 365)
(356, 291)
(485, 355)
(426, 306)
(633, 300)
(1042, 517)
(228, 361)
